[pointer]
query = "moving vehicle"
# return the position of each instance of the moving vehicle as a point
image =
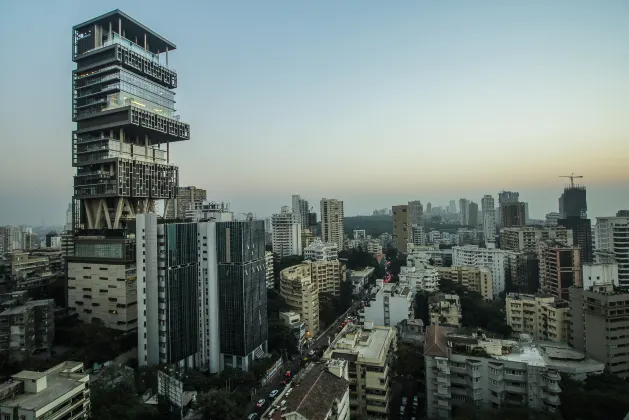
(252, 416)
(274, 393)
(261, 403)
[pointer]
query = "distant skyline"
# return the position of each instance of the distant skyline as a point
(374, 103)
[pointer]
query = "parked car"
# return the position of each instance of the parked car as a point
(252, 416)
(404, 400)
(274, 393)
(260, 403)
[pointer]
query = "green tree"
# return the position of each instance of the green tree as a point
(281, 338)
(218, 404)
(275, 303)
(409, 361)
(598, 397)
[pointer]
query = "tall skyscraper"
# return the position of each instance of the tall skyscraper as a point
(428, 208)
(401, 227)
(489, 219)
(124, 108)
(505, 197)
(472, 210)
(582, 234)
(168, 301)
(512, 214)
(332, 221)
(286, 233)
(241, 273)
(573, 202)
(185, 197)
(301, 209)
(464, 216)
(452, 207)
(415, 213)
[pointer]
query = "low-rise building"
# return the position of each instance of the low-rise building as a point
(420, 279)
(360, 278)
(320, 251)
(297, 326)
(321, 392)
(543, 317)
(61, 392)
(445, 309)
(369, 350)
(391, 304)
(25, 326)
(472, 369)
(476, 279)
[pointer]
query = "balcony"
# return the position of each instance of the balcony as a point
(443, 379)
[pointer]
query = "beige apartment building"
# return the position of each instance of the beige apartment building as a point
(332, 222)
(475, 279)
(327, 275)
(401, 227)
(301, 295)
(369, 350)
(543, 317)
(525, 238)
(61, 392)
(599, 325)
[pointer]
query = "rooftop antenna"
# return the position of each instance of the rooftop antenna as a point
(572, 177)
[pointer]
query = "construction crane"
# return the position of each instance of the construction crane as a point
(572, 177)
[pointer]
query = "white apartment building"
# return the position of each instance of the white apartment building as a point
(462, 369)
(598, 274)
(360, 234)
(286, 233)
(301, 295)
(391, 305)
(445, 309)
(320, 251)
(61, 392)
(359, 279)
(418, 237)
(612, 244)
(526, 238)
(552, 218)
(543, 317)
(270, 273)
(369, 350)
(488, 207)
(494, 259)
(297, 326)
(420, 279)
(301, 209)
(372, 246)
(332, 221)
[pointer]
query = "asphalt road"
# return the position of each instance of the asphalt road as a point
(320, 340)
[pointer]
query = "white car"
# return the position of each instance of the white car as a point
(273, 393)
(260, 403)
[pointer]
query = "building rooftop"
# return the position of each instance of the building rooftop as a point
(362, 273)
(133, 29)
(60, 380)
(368, 342)
(441, 343)
(315, 394)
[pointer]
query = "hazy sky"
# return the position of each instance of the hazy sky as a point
(372, 102)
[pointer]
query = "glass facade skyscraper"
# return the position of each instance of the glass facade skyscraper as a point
(241, 290)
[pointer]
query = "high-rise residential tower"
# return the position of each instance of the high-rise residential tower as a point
(401, 227)
(472, 214)
(332, 221)
(286, 233)
(489, 219)
(464, 206)
(505, 197)
(124, 110)
(612, 244)
(301, 209)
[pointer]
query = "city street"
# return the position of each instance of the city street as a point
(320, 340)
